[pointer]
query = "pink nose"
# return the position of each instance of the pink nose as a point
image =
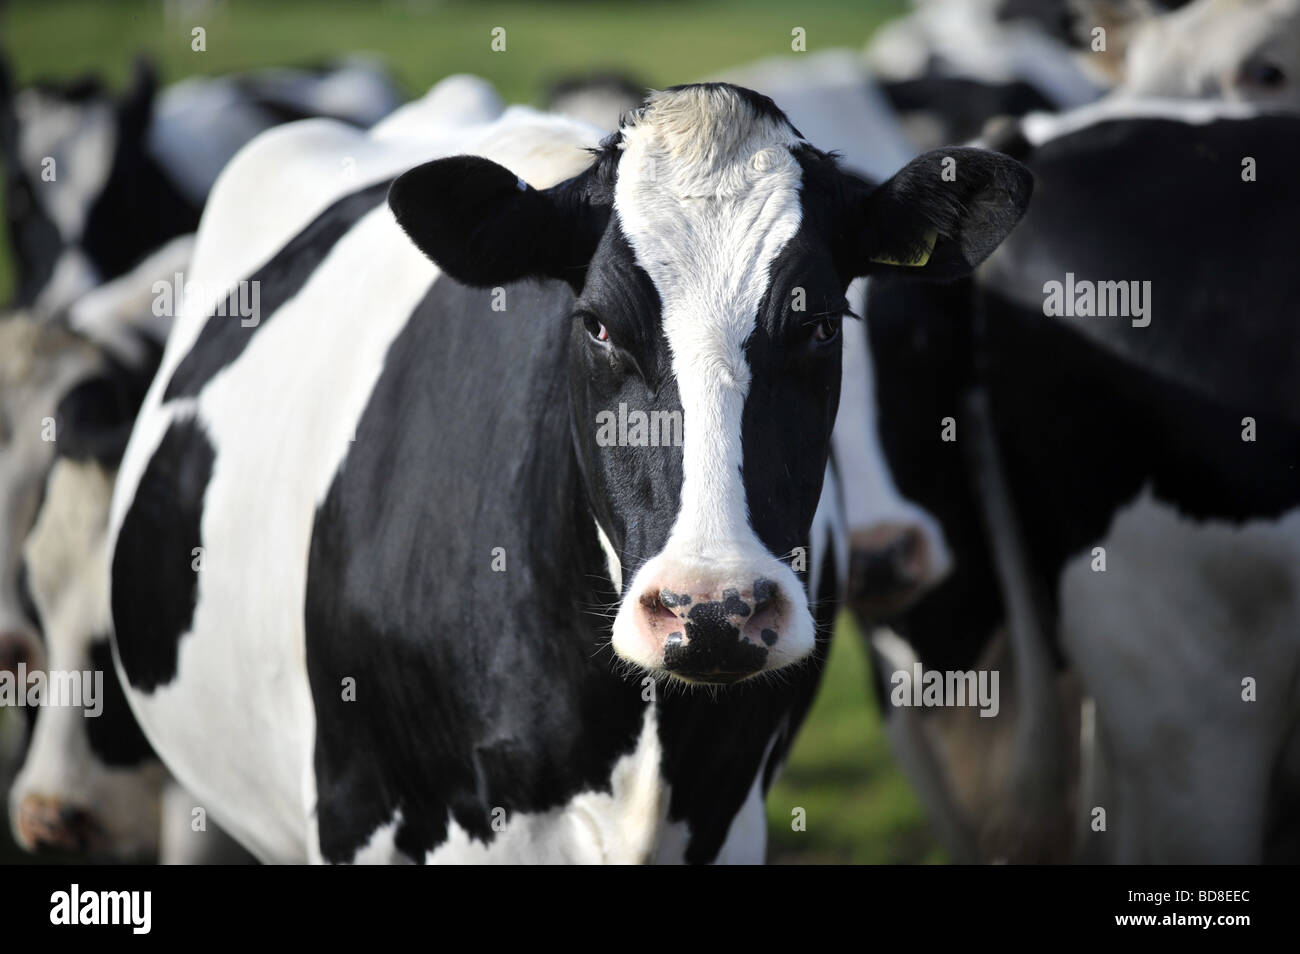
(711, 630)
(889, 567)
(45, 821)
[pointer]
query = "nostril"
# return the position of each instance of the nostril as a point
(886, 561)
(659, 605)
(47, 822)
(673, 601)
(76, 821)
(765, 593)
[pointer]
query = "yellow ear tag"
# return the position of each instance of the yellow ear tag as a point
(921, 258)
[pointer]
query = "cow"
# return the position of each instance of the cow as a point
(94, 183)
(951, 66)
(386, 586)
(1120, 498)
(90, 783)
(1235, 50)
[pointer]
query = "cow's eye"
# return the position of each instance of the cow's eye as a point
(594, 328)
(824, 330)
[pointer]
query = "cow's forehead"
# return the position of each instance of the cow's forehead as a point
(708, 193)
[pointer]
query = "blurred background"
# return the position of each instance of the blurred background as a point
(859, 807)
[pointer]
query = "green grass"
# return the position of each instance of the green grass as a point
(859, 808)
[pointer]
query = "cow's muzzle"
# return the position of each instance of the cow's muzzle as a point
(714, 622)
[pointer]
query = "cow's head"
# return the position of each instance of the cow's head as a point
(709, 248)
(90, 782)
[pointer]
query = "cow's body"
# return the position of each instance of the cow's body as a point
(1127, 437)
(398, 644)
(380, 778)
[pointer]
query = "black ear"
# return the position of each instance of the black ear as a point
(484, 226)
(941, 214)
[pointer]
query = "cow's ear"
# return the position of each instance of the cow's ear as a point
(940, 215)
(484, 226)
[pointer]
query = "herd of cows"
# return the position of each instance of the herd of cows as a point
(365, 585)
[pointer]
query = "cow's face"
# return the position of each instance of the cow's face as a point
(710, 248)
(90, 782)
(38, 366)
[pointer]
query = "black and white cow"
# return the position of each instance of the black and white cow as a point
(40, 363)
(1150, 460)
(437, 617)
(89, 783)
(950, 66)
(1235, 50)
(94, 183)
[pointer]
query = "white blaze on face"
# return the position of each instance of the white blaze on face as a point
(707, 196)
